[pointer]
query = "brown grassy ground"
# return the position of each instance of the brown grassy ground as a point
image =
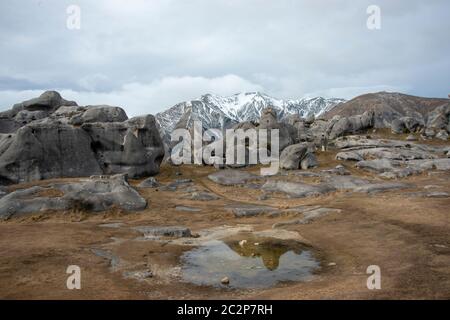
(408, 237)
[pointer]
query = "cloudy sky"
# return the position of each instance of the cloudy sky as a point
(148, 55)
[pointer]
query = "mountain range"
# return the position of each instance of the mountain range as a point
(221, 112)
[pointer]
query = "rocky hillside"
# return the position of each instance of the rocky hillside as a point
(388, 106)
(215, 111)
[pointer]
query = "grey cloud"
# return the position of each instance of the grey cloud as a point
(288, 48)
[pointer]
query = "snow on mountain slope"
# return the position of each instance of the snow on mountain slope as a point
(216, 111)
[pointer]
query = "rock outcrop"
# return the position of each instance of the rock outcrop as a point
(92, 195)
(74, 141)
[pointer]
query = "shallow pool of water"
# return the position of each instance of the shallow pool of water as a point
(254, 263)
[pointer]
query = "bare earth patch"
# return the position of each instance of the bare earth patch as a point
(407, 236)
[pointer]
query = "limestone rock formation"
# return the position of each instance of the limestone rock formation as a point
(73, 141)
(92, 195)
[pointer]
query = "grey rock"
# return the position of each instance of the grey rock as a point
(292, 156)
(172, 231)
(248, 210)
(356, 141)
(309, 161)
(377, 165)
(263, 197)
(297, 189)
(99, 194)
(114, 225)
(350, 125)
(133, 147)
(432, 164)
(400, 173)
(442, 135)
(308, 217)
(42, 151)
(23, 201)
(176, 184)
(269, 120)
(338, 170)
(310, 118)
(138, 275)
(397, 126)
(92, 195)
(99, 113)
(439, 118)
(47, 145)
(203, 196)
(429, 132)
(188, 209)
(380, 187)
(305, 174)
(385, 153)
(150, 182)
(433, 194)
(114, 261)
(231, 177)
(411, 138)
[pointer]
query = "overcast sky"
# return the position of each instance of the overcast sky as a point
(148, 55)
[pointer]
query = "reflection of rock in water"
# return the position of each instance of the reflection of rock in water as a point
(248, 265)
(269, 250)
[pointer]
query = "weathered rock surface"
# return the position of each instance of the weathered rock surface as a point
(338, 170)
(203, 196)
(150, 182)
(287, 132)
(308, 217)
(231, 177)
(297, 189)
(384, 153)
(249, 210)
(95, 194)
(292, 156)
(187, 209)
(309, 161)
(380, 187)
(31, 110)
(172, 231)
(178, 183)
(340, 126)
(407, 124)
(346, 182)
(442, 135)
(388, 106)
(102, 193)
(73, 141)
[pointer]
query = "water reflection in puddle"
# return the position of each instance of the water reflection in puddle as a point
(254, 264)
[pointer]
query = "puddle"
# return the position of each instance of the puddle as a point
(257, 263)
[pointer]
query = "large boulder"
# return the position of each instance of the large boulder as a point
(62, 139)
(92, 195)
(292, 156)
(31, 110)
(297, 189)
(350, 125)
(398, 126)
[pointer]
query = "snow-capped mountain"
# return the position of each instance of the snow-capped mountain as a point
(216, 111)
